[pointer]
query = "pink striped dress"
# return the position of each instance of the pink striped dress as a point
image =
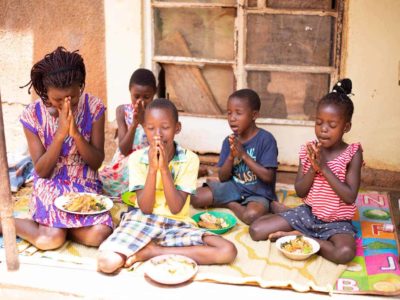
(71, 173)
(326, 204)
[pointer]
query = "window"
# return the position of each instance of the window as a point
(286, 50)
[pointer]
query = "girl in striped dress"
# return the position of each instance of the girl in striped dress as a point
(65, 134)
(131, 136)
(328, 180)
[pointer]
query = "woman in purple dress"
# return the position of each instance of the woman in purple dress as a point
(65, 134)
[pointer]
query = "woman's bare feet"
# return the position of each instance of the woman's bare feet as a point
(276, 235)
(149, 251)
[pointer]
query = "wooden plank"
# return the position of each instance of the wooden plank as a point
(261, 3)
(394, 214)
(304, 4)
(209, 159)
(6, 204)
(290, 68)
(190, 5)
(240, 43)
(310, 12)
(188, 84)
(182, 60)
(337, 47)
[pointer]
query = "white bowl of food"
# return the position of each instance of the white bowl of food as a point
(297, 247)
(171, 268)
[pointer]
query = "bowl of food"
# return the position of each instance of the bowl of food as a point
(171, 268)
(297, 247)
(215, 221)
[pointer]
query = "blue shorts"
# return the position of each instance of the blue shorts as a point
(226, 192)
(302, 219)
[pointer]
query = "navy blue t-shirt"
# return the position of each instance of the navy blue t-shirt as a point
(263, 149)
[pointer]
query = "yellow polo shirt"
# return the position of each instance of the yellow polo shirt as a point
(184, 168)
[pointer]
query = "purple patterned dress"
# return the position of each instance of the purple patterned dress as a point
(71, 173)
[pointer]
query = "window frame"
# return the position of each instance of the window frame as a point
(239, 66)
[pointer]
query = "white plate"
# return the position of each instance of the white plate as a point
(171, 268)
(293, 255)
(64, 199)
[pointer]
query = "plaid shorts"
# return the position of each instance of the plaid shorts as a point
(137, 230)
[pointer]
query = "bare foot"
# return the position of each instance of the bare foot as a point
(276, 235)
(277, 207)
(149, 251)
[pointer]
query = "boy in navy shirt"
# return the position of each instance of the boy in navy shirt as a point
(247, 162)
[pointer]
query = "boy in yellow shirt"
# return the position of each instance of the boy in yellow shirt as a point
(158, 221)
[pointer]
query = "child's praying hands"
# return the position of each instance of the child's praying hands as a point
(138, 113)
(154, 153)
(236, 147)
(162, 157)
(314, 154)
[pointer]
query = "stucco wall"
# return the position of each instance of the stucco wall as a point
(28, 30)
(373, 58)
(124, 49)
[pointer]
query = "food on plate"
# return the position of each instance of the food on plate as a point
(297, 245)
(212, 222)
(84, 204)
(174, 265)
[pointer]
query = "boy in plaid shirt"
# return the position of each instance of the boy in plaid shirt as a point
(158, 221)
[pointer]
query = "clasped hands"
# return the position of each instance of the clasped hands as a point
(314, 153)
(138, 113)
(67, 125)
(237, 150)
(157, 154)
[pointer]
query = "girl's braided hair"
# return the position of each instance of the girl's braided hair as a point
(58, 69)
(339, 97)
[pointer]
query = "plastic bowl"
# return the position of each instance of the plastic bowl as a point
(229, 219)
(171, 268)
(129, 198)
(294, 255)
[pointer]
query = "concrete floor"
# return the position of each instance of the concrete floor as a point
(40, 282)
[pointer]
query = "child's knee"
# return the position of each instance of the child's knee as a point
(256, 231)
(203, 197)
(227, 253)
(50, 241)
(109, 262)
(194, 200)
(98, 234)
(249, 216)
(344, 254)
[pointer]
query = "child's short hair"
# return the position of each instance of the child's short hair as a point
(143, 77)
(252, 98)
(162, 103)
(59, 69)
(339, 97)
